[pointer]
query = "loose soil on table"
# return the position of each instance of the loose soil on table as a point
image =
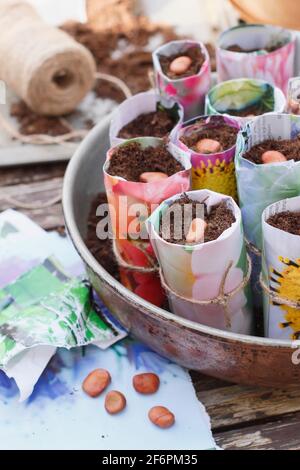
(225, 135)
(287, 221)
(120, 48)
(236, 48)
(156, 124)
(254, 109)
(219, 219)
(131, 160)
(198, 59)
(289, 148)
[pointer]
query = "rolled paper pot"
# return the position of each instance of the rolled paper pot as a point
(281, 274)
(276, 67)
(188, 91)
(293, 96)
(138, 104)
(122, 195)
(240, 94)
(193, 273)
(261, 185)
(210, 171)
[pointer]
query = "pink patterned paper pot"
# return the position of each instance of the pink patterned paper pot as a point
(206, 282)
(243, 99)
(131, 202)
(189, 88)
(211, 169)
(159, 110)
(281, 269)
(256, 51)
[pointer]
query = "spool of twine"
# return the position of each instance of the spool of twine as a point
(43, 65)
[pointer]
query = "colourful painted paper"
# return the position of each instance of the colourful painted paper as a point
(138, 252)
(239, 94)
(214, 171)
(188, 91)
(281, 273)
(275, 67)
(196, 272)
(58, 415)
(138, 104)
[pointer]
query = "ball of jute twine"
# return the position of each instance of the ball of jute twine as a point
(42, 64)
(222, 298)
(277, 299)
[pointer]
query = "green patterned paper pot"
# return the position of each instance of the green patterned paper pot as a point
(281, 275)
(239, 98)
(197, 276)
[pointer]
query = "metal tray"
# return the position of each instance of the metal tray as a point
(228, 356)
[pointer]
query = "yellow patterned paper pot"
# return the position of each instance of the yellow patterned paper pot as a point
(270, 52)
(206, 282)
(244, 98)
(281, 273)
(130, 204)
(214, 171)
(142, 103)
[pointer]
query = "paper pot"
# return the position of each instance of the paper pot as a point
(293, 96)
(136, 105)
(276, 67)
(261, 185)
(122, 195)
(281, 274)
(214, 171)
(194, 273)
(188, 91)
(240, 93)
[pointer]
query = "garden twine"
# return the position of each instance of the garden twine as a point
(42, 64)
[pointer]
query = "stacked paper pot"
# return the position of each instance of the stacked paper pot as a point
(215, 170)
(260, 185)
(130, 203)
(281, 274)
(235, 97)
(259, 51)
(197, 276)
(142, 103)
(189, 91)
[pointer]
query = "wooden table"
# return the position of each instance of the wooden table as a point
(242, 417)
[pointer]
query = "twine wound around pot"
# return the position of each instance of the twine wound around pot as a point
(222, 298)
(251, 247)
(277, 299)
(142, 269)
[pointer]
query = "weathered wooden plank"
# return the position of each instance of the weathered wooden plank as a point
(41, 201)
(30, 173)
(281, 434)
(203, 382)
(233, 405)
